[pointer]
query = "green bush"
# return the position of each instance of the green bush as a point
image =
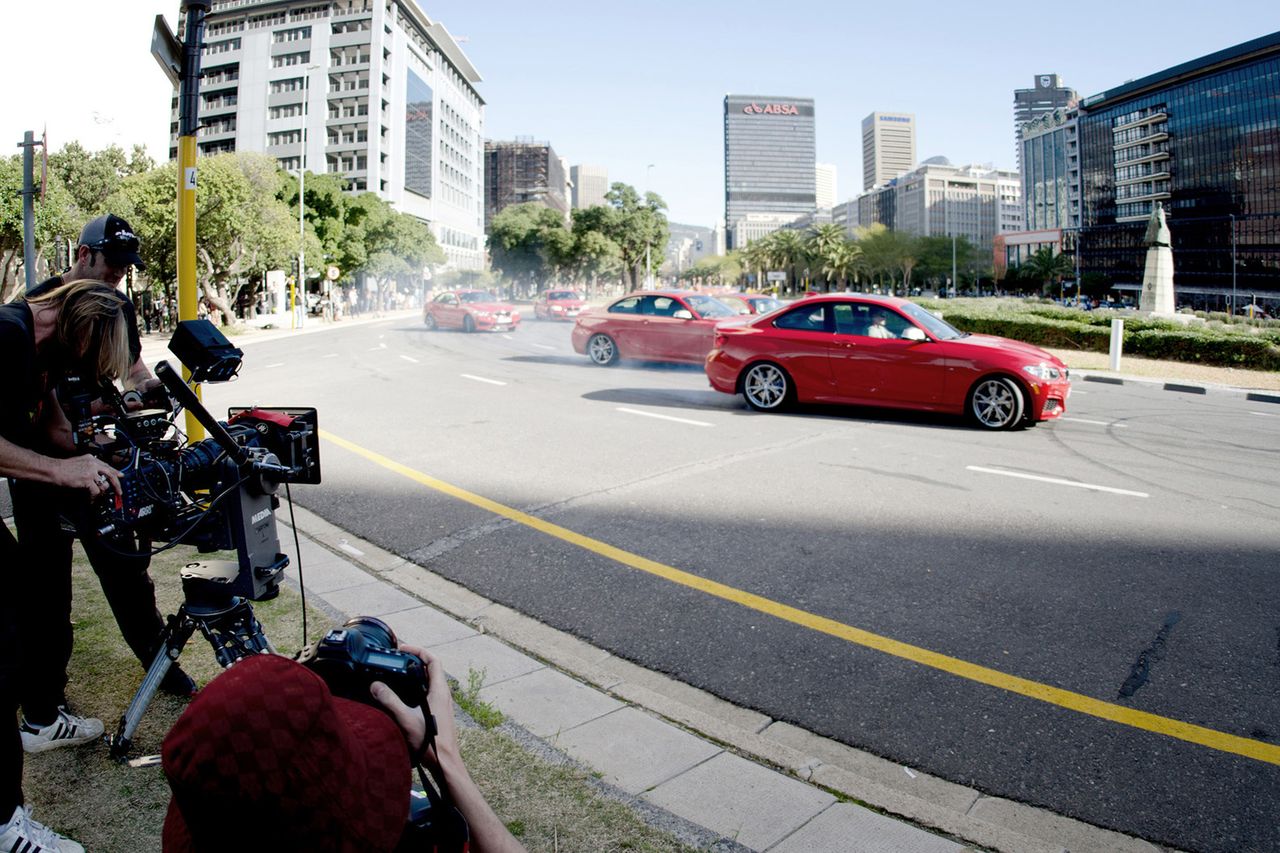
(1228, 345)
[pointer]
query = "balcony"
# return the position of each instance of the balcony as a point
(1163, 174)
(1159, 136)
(1138, 122)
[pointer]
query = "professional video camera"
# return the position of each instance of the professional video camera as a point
(217, 494)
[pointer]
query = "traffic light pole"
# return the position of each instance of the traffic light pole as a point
(188, 125)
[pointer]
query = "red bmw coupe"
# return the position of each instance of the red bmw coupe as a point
(471, 311)
(881, 351)
(653, 325)
(558, 305)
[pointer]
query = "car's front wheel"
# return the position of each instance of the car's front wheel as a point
(602, 350)
(468, 325)
(997, 403)
(430, 320)
(766, 387)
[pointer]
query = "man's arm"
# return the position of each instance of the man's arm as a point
(77, 472)
(488, 833)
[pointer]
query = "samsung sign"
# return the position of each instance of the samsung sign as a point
(895, 118)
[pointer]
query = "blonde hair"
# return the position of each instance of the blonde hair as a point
(91, 325)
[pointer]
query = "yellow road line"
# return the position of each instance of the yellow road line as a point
(1200, 735)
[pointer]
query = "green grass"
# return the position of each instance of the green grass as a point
(109, 806)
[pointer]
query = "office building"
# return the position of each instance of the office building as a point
(769, 163)
(940, 200)
(888, 147)
(825, 186)
(1051, 170)
(590, 183)
(1045, 96)
(522, 171)
(374, 91)
(1202, 139)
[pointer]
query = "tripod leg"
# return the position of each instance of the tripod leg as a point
(175, 636)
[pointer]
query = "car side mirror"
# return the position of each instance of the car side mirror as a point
(683, 314)
(914, 333)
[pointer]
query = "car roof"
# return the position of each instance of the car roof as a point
(871, 298)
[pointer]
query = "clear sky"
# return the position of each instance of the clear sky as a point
(626, 84)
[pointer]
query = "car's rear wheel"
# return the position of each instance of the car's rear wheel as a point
(997, 402)
(430, 320)
(602, 350)
(766, 387)
(468, 325)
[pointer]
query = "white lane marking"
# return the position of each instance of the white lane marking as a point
(508, 337)
(544, 346)
(1076, 483)
(1075, 392)
(1265, 414)
(664, 417)
(330, 355)
(277, 364)
(1095, 423)
(409, 358)
(481, 379)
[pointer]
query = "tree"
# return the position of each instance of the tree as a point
(1047, 267)
(891, 254)
(54, 225)
(638, 227)
(826, 244)
(525, 243)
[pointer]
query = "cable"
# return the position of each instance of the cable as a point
(297, 549)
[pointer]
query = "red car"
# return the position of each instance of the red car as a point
(557, 305)
(750, 303)
(471, 311)
(652, 325)
(883, 351)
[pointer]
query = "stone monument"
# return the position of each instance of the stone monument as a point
(1157, 280)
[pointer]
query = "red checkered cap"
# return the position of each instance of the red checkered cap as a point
(266, 758)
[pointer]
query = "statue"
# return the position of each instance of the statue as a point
(1157, 228)
(1157, 280)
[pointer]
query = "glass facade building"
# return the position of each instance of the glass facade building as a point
(1203, 139)
(1051, 171)
(769, 158)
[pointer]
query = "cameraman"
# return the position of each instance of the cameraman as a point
(82, 327)
(267, 758)
(106, 250)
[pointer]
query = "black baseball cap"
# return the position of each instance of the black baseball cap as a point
(114, 237)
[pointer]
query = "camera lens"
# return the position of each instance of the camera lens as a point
(375, 631)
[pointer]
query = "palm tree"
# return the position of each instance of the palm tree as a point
(825, 245)
(1046, 266)
(788, 251)
(844, 262)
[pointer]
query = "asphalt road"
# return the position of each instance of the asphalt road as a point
(991, 608)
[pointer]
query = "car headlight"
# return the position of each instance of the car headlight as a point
(1043, 371)
(557, 307)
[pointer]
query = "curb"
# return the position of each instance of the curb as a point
(866, 787)
(1180, 387)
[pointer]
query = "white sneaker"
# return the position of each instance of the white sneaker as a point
(26, 835)
(67, 730)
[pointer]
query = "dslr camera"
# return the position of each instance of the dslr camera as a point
(362, 651)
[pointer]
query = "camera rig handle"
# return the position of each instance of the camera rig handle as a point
(185, 396)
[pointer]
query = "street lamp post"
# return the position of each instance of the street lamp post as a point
(648, 270)
(1232, 216)
(301, 282)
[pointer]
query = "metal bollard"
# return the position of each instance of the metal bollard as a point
(1117, 342)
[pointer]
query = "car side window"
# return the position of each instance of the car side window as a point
(447, 299)
(630, 305)
(809, 318)
(661, 306)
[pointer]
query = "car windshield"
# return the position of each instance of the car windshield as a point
(935, 326)
(765, 304)
(707, 306)
(477, 296)
(563, 294)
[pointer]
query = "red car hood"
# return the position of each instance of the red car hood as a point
(489, 306)
(1033, 354)
(566, 303)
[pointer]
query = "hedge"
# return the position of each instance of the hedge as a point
(1150, 338)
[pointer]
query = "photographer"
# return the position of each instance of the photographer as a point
(267, 745)
(80, 326)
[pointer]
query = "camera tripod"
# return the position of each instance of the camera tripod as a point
(227, 621)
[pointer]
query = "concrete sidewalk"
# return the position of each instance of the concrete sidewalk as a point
(746, 779)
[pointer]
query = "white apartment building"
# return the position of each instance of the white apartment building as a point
(590, 183)
(825, 181)
(976, 202)
(373, 90)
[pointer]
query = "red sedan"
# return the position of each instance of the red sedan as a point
(882, 351)
(654, 325)
(558, 305)
(471, 311)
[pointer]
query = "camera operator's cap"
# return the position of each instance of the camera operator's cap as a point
(114, 237)
(266, 758)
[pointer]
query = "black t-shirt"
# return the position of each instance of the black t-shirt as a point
(24, 380)
(131, 315)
